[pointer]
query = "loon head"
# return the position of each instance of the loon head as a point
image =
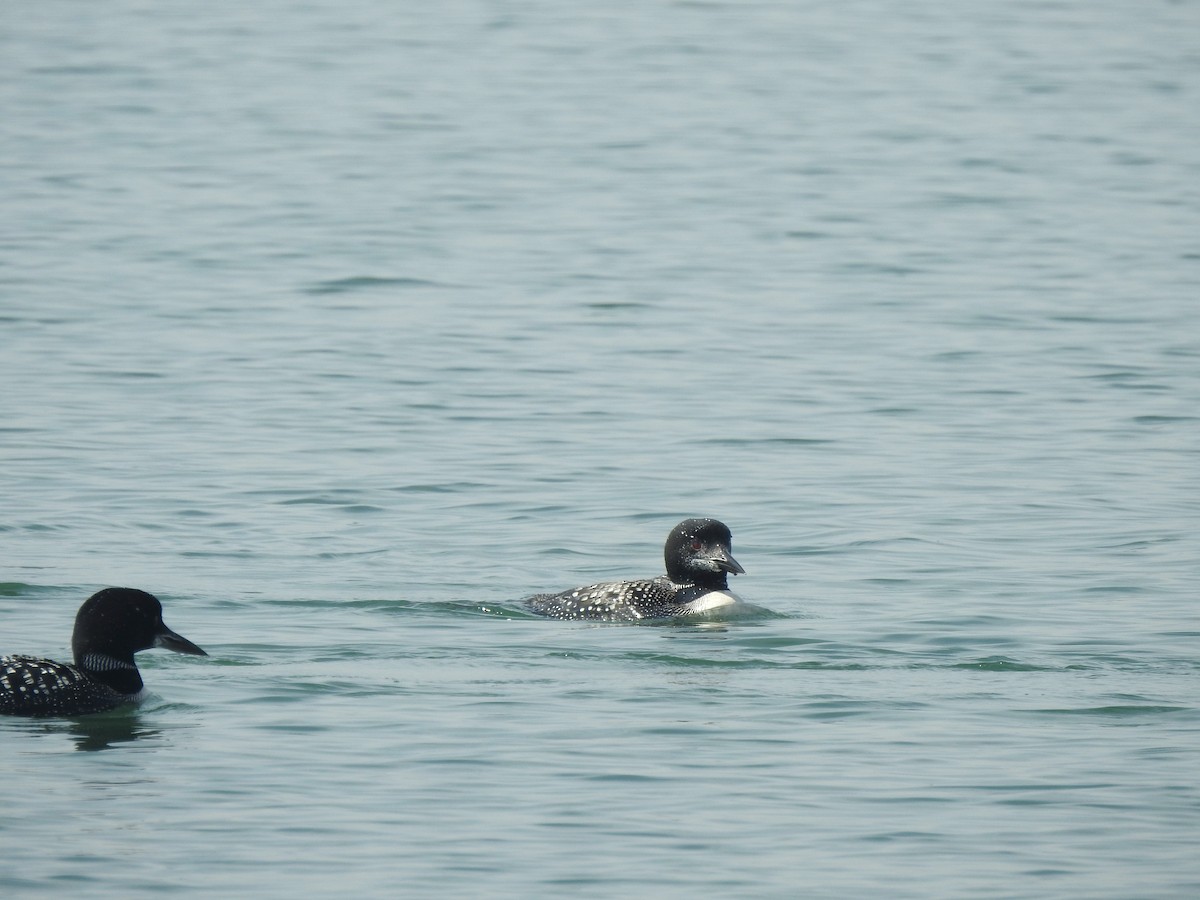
(118, 622)
(698, 552)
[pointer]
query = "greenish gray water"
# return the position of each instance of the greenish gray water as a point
(343, 327)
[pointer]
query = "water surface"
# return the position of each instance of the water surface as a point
(344, 327)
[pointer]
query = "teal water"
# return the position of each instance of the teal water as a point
(342, 328)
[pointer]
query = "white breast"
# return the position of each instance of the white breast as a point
(713, 600)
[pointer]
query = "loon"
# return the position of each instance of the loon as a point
(110, 627)
(698, 559)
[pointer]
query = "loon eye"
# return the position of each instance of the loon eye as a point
(697, 544)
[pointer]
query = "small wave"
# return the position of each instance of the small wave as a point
(1119, 712)
(366, 282)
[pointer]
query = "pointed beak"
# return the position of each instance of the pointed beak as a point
(169, 640)
(728, 564)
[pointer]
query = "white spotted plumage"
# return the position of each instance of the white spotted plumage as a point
(30, 685)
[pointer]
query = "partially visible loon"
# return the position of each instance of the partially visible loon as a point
(110, 627)
(698, 560)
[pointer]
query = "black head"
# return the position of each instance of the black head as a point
(118, 622)
(698, 551)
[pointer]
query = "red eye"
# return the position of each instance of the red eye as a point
(696, 545)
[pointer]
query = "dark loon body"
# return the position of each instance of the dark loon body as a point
(698, 560)
(110, 627)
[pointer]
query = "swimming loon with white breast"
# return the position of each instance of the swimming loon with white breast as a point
(699, 559)
(110, 627)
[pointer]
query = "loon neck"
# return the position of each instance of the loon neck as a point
(709, 581)
(117, 674)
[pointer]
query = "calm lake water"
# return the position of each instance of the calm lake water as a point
(343, 327)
